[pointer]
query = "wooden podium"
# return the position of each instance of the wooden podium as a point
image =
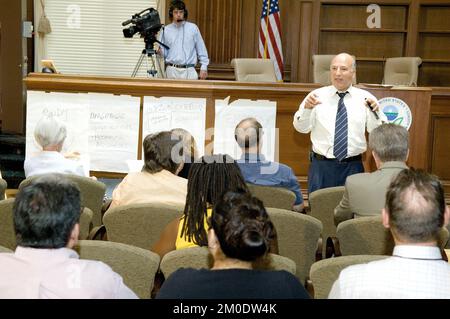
(293, 147)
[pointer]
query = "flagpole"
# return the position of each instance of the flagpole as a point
(267, 29)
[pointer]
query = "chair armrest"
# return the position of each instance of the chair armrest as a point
(332, 248)
(105, 206)
(319, 249)
(98, 233)
(309, 287)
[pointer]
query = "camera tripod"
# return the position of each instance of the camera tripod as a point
(151, 61)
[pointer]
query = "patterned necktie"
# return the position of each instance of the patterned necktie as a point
(341, 130)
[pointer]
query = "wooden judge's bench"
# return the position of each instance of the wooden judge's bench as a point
(430, 108)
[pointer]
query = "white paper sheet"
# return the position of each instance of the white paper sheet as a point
(166, 113)
(229, 115)
(70, 108)
(113, 131)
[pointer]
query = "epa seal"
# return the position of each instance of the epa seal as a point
(396, 111)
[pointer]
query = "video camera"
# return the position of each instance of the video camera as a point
(148, 25)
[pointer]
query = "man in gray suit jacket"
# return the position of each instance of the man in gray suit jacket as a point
(365, 193)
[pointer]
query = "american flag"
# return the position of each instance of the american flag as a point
(270, 36)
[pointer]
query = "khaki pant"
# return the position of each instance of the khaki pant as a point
(181, 73)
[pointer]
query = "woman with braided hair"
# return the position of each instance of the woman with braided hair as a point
(208, 180)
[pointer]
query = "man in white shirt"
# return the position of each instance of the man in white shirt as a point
(415, 212)
(46, 215)
(337, 117)
(186, 46)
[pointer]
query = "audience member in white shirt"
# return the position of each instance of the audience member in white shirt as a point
(46, 215)
(415, 213)
(50, 134)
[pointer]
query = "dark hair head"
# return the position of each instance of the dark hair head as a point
(248, 133)
(415, 203)
(162, 150)
(208, 179)
(45, 212)
(242, 226)
(178, 5)
(390, 142)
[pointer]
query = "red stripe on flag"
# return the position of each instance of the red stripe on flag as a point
(275, 48)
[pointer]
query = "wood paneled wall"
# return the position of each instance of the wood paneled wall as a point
(439, 155)
(409, 28)
(230, 29)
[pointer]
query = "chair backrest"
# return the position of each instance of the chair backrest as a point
(402, 71)
(7, 232)
(271, 196)
(321, 68)
(324, 272)
(92, 193)
(278, 262)
(139, 224)
(137, 266)
(193, 257)
(322, 203)
(5, 250)
(298, 235)
(3, 187)
(254, 70)
(447, 246)
(364, 236)
(368, 236)
(199, 257)
(85, 223)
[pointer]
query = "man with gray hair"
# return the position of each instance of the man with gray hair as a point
(50, 134)
(365, 193)
(256, 169)
(415, 213)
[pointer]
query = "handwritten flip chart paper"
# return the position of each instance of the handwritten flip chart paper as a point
(166, 113)
(229, 115)
(102, 128)
(70, 108)
(113, 131)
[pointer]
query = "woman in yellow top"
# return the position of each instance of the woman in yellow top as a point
(208, 179)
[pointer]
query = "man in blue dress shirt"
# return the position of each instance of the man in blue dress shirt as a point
(186, 46)
(254, 167)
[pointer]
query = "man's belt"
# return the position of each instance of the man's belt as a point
(348, 159)
(181, 66)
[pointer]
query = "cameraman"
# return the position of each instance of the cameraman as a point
(185, 43)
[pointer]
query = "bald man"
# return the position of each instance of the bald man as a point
(337, 117)
(259, 171)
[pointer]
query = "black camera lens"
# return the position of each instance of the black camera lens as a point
(129, 32)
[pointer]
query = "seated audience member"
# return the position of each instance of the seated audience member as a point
(415, 213)
(365, 193)
(239, 235)
(189, 150)
(46, 215)
(158, 181)
(50, 134)
(207, 180)
(255, 168)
